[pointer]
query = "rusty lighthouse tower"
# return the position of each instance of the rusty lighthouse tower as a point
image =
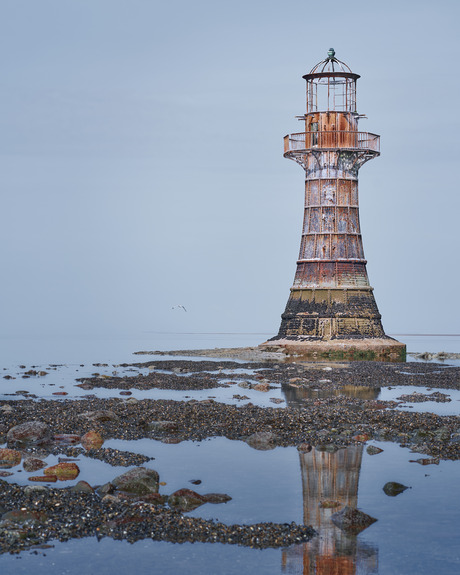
(331, 309)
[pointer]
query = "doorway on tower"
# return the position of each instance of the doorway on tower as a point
(325, 328)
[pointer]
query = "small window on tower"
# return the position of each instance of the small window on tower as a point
(314, 133)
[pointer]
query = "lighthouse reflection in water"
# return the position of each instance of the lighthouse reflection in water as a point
(330, 481)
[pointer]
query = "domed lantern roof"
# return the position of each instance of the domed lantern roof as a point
(331, 85)
(331, 65)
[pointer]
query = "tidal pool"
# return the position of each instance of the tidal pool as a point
(415, 532)
(60, 382)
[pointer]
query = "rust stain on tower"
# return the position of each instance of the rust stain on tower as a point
(331, 309)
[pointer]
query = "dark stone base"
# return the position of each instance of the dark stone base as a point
(331, 313)
(384, 348)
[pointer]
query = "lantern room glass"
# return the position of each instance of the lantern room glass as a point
(331, 92)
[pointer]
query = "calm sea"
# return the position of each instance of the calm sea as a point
(109, 348)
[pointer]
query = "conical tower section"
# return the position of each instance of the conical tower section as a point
(331, 308)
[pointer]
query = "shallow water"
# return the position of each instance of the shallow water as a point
(106, 557)
(439, 408)
(62, 379)
(416, 531)
(296, 397)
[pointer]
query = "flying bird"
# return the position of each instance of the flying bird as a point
(178, 307)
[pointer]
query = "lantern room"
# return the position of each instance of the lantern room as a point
(331, 86)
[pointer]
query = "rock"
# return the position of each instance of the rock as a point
(402, 438)
(195, 481)
(376, 405)
(100, 415)
(425, 355)
(44, 478)
(154, 498)
(185, 500)
(455, 438)
(262, 387)
(216, 498)
(262, 440)
(82, 487)
(33, 464)
(383, 434)
(352, 520)
(30, 432)
(86, 386)
(162, 426)
(110, 499)
(417, 397)
(276, 400)
(362, 438)
(9, 458)
(32, 489)
(442, 434)
(139, 480)
(63, 471)
(373, 450)
(442, 355)
(393, 488)
(304, 448)
(105, 489)
(22, 517)
(425, 461)
(421, 435)
(67, 438)
(6, 473)
(92, 440)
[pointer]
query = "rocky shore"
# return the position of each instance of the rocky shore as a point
(329, 406)
(39, 514)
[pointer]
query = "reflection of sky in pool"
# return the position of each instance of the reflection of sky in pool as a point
(63, 379)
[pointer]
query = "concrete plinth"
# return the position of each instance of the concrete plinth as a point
(381, 349)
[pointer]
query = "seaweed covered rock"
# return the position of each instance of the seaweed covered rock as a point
(30, 432)
(393, 488)
(140, 481)
(352, 520)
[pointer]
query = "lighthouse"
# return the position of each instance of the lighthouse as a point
(331, 309)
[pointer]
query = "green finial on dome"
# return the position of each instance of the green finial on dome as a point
(331, 53)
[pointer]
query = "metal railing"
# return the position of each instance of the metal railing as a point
(328, 140)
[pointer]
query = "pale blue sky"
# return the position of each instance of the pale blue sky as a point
(141, 160)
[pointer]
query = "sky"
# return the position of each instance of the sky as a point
(141, 160)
